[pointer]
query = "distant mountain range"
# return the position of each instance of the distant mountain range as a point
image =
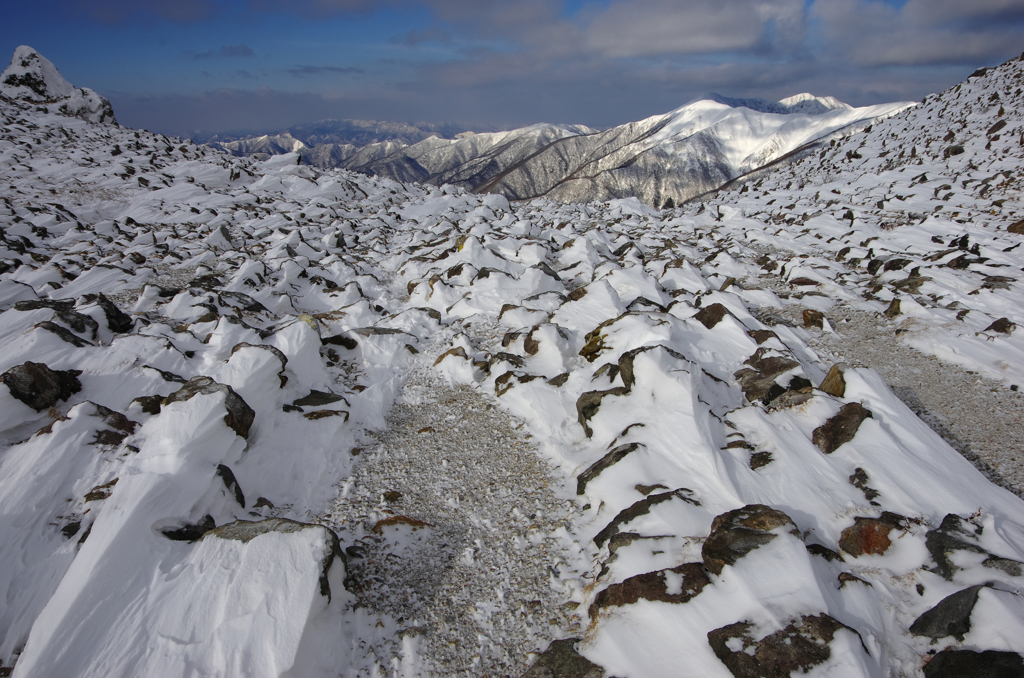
(676, 156)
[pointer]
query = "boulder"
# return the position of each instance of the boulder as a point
(674, 585)
(736, 533)
(803, 644)
(709, 316)
(239, 417)
(951, 617)
(834, 382)
(39, 387)
(870, 536)
(841, 428)
(588, 404)
(245, 531)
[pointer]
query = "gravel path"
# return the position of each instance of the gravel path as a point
(471, 553)
(981, 418)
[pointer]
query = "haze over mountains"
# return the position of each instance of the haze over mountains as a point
(676, 156)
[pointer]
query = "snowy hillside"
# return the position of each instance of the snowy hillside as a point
(266, 420)
(679, 155)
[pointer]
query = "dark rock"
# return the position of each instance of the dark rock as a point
(951, 617)
(1002, 325)
(231, 483)
(167, 376)
(613, 457)
(263, 502)
(653, 586)
(561, 660)
(263, 347)
(758, 381)
(239, 417)
(243, 301)
(149, 404)
(736, 533)
(625, 363)
(71, 529)
(120, 426)
(189, 532)
(531, 345)
(841, 428)
(36, 304)
(956, 534)
(392, 496)
(323, 414)
(340, 340)
(798, 647)
(38, 386)
(117, 320)
(834, 383)
(823, 552)
(318, 399)
(971, 664)
(100, 492)
(859, 479)
(802, 281)
(245, 531)
(709, 316)
(1016, 227)
(814, 318)
(559, 380)
(870, 536)
(759, 459)
(588, 404)
(577, 294)
(761, 336)
(647, 489)
(78, 322)
(64, 334)
(640, 508)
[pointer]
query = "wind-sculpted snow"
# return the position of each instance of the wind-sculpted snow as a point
(220, 335)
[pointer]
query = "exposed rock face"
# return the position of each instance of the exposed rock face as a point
(39, 387)
(736, 533)
(798, 647)
(561, 660)
(834, 383)
(239, 417)
(956, 534)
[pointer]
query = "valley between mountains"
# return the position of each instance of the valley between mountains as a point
(266, 419)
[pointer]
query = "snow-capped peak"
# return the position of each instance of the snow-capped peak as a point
(808, 103)
(32, 77)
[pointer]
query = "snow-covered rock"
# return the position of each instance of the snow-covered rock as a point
(32, 77)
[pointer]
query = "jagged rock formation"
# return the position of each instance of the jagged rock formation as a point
(31, 77)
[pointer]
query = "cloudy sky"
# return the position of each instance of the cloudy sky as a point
(176, 66)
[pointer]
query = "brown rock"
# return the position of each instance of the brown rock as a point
(841, 428)
(654, 586)
(1016, 227)
(613, 457)
(814, 318)
(736, 533)
(834, 383)
(870, 536)
(640, 508)
(893, 310)
(709, 316)
(588, 404)
(1002, 325)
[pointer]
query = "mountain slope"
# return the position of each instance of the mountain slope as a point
(202, 470)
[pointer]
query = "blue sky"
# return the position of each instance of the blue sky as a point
(263, 65)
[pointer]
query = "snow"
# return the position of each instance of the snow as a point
(538, 342)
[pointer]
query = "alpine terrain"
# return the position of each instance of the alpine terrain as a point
(260, 418)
